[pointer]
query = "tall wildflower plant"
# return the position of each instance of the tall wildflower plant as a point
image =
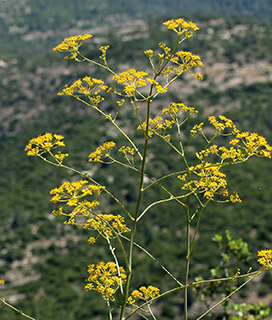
(200, 177)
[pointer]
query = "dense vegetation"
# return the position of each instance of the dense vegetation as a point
(45, 262)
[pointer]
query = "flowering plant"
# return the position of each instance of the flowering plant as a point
(202, 177)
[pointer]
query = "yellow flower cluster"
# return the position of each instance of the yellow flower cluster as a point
(45, 143)
(149, 53)
(104, 224)
(71, 193)
(2, 281)
(127, 150)
(144, 293)
(212, 181)
(243, 146)
(132, 80)
(102, 152)
(105, 278)
(156, 124)
(71, 45)
(174, 109)
(252, 144)
(186, 60)
(196, 128)
(266, 258)
(158, 87)
(223, 123)
(104, 49)
(222, 152)
(181, 27)
(89, 87)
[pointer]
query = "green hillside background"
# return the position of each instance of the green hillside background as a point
(43, 261)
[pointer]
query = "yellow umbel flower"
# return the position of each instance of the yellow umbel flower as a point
(144, 293)
(211, 181)
(131, 79)
(175, 109)
(102, 152)
(2, 281)
(107, 225)
(266, 258)
(105, 278)
(45, 143)
(71, 45)
(71, 193)
(181, 27)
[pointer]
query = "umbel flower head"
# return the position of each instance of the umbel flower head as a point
(71, 45)
(71, 193)
(144, 293)
(102, 152)
(45, 143)
(132, 80)
(181, 27)
(105, 278)
(89, 87)
(107, 225)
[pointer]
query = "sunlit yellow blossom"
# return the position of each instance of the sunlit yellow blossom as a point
(91, 240)
(144, 293)
(223, 123)
(253, 144)
(131, 79)
(127, 150)
(104, 49)
(102, 152)
(89, 87)
(71, 192)
(211, 181)
(105, 278)
(186, 60)
(196, 128)
(45, 143)
(2, 281)
(181, 27)
(199, 76)
(107, 225)
(166, 50)
(174, 109)
(266, 258)
(235, 198)
(156, 125)
(71, 45)
(149, 53)
(235, 154)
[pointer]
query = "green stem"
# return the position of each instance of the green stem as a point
(153, 258)
(117, 263)
(108, 117)
(109, 307)
(252, 276)
(227, 297)
(85, 175)
(187, 265)
(139, 200)
(15, 309)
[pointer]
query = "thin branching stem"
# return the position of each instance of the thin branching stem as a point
(5, 303)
